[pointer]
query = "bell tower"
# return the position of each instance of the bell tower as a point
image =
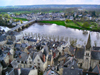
(87, 54)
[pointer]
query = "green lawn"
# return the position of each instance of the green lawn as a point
(54, 22)
(23, 19)
(71, 24)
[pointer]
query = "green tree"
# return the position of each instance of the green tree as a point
(21, 21)
(86, 25)
(93, 13)
(67, 20)
(7, 16)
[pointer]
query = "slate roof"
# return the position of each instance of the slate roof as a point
(24, 71)
(0, 52)
(9, 42)
(17, 45)
(3, 37)
(89, 73)
(67, 71)
(49, 57)
(14, 64)
(9, 70)
(3, 64)
(24, 57)
(79, 53)
(33, 55)
(71, 49)
(46, 51)
(97, 69)
(95, 55)
(32, 40)
(96, 48)
(50, 72)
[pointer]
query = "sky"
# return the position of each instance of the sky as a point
(44, 2)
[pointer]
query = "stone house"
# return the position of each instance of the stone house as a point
(24, 60)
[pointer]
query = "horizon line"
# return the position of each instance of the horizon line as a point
(49, 4)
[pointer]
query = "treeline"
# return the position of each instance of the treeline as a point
(5, 20)
(30, 9)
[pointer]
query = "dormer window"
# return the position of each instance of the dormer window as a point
(38, 60)
(72, 67)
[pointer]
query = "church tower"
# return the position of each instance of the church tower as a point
(87, 54)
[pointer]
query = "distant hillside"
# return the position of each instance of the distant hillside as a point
(54, 6)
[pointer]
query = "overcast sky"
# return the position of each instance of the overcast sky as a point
(37, 2)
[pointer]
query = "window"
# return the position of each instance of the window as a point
(30, 62)
(30, 66)
(38, 67)
(25, 62)
(86, 58)
(22, 62)
(38, 63)
(87, 54)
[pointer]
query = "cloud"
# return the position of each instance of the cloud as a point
(36, 2)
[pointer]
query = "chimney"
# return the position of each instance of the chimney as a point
(19, 56)
(19, 71)
(54, 54)
(43, 58)
(8, 53)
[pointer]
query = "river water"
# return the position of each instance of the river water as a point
(53, 29)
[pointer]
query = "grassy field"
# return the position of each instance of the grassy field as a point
(23, 19)
(54, 22)
(72, 24)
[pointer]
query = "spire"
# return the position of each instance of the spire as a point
(88, 45)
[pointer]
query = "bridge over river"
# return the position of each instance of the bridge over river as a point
(20, 27)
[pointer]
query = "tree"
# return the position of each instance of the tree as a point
(85, 24)
(7, 16)
(67, 20)
(73, 42)
(21, 21)
(93, 13)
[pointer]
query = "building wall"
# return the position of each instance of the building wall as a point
(0, 69)
(33, 72)
(87, 59)
(38, 63)
(94, 63)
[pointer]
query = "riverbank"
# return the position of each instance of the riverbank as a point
(23, 19)
(75, 25)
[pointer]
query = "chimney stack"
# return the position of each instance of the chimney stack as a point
(43, 58)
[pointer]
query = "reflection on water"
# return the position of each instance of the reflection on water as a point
(62, 31)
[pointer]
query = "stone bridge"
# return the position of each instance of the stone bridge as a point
(20, 27)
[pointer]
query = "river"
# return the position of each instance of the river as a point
(53, 29)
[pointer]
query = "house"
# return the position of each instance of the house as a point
(71, 68)
(24, 60)
(40, 59)
(86, 56)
